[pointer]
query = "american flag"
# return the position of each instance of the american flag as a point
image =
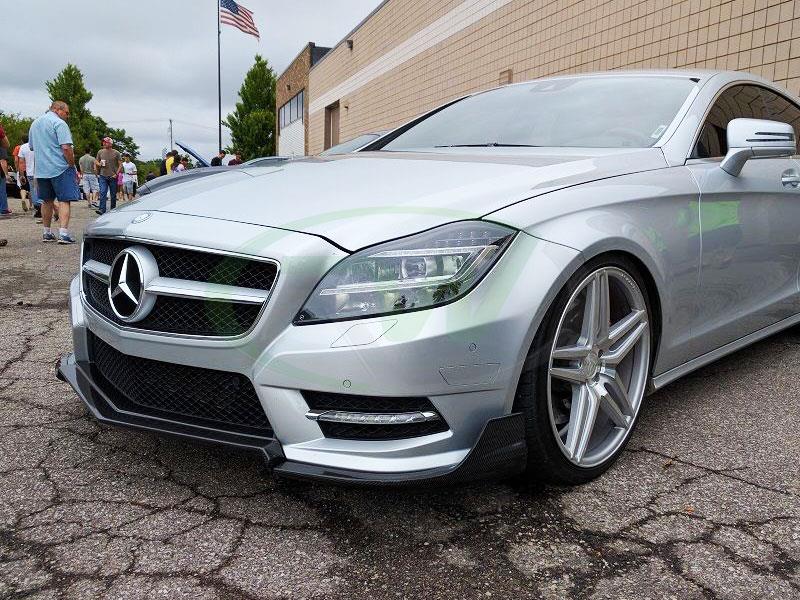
(237, 15)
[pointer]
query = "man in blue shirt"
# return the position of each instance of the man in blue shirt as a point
(56, 176)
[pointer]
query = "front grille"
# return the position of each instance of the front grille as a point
(185, 316)
(321, 401)
(204, 397)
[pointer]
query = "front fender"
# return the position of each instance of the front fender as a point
(652, 216)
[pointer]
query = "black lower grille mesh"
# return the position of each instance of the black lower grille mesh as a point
(193, 395)
(180, 315)
(322, 401)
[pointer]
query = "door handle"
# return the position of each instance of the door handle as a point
(790, 178)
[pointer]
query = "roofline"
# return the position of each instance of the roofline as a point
(351, 32)
(299, 54)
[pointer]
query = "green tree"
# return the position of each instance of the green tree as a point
(16, 126)
(123, 142)
(143, 167)
(87, 129)
(252, 124)
(68, 86)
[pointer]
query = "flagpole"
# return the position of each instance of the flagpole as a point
(219, 80)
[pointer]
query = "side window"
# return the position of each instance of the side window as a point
(781, 109)
(739, 101)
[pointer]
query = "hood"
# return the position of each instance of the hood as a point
(200, 160)
(356, 200)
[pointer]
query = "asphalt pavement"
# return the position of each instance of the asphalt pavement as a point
(705, 503)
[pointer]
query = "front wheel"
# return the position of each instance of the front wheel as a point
(586, 374)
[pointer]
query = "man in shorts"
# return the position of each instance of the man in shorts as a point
(130, 177)
(56, 175)
(91, 186)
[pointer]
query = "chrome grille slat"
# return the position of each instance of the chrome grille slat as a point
(98, 270)
(184, 288)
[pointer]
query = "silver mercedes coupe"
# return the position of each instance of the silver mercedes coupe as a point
(489, 290)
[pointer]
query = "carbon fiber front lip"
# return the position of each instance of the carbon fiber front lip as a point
(500, 451)
(78, 375)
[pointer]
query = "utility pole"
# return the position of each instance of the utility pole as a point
(170, 135)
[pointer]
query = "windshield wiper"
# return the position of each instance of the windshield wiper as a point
(488, 145)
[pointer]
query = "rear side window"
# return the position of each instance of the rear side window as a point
(737, 102)
(780, 109)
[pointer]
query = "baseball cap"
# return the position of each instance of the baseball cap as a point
(108, 139)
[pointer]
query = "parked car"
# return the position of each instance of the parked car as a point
(490, 289)
(204, 169)
(353, 145)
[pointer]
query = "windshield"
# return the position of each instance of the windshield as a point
(596, 112)
(351, 145)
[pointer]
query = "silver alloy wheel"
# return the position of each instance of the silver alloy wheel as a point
(598, 366)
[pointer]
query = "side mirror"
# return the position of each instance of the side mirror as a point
(756, 138)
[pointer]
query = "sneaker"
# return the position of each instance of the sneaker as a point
(38, 220)
(100, 212)
(5, 212)
(49, 237)
(66, 239)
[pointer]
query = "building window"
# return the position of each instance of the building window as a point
(292, 111)
(506, 76)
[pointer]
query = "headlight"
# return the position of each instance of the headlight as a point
(421, 271)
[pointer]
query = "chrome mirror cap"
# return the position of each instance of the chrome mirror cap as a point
(756, 138)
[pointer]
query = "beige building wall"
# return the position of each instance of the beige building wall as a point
(411, 55)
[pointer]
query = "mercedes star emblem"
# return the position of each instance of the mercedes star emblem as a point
(131, 271)
(142, 218)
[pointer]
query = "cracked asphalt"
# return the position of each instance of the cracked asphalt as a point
(705, 503)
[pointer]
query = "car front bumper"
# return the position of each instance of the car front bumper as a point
(464, 357)
(500, 450)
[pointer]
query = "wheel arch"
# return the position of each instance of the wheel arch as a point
(647, 269)
(527, 388)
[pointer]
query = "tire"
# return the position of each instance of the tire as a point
(545, 400)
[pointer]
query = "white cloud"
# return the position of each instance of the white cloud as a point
(149, 61)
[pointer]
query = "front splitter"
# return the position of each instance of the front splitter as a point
(500, 451)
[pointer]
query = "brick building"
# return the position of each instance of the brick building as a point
(291, 97)
(409, 56)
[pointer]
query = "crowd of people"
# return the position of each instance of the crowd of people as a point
(50, 177)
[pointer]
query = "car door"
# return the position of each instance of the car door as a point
(750, 227)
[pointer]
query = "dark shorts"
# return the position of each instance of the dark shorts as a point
(63, 188)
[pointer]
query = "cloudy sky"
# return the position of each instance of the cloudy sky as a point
(147, 61)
